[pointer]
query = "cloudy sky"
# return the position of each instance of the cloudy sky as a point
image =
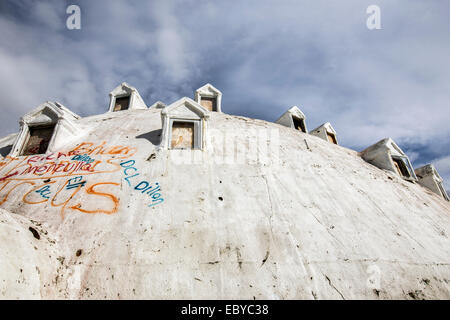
(265, 56)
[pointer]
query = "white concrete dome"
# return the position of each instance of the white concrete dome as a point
(312, 220)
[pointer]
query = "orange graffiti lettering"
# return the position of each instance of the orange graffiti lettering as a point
(7, 195)
(24, 198)
(86, 148)
(90, 190)
(64, 204)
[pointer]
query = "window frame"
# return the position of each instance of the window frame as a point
(299, 121)
(209, 91)
(407, 165)
(28, 136)
(442, 190)
(121, 97)
(332, 136)
(213, 99)
(197, 133)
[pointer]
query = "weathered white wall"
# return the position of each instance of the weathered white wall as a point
(313, 221)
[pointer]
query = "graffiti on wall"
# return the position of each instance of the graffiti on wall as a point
(84, 158)
(152, 190)
(60, 180)
(75, 182)
(44, 191)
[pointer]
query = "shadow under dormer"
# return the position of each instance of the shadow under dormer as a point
(153, 136)
(4, 151)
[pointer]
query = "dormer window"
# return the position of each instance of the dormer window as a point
(209, 103)
(183, 125)
(387, 155)
(429, 178)
(38, 140)
(293, 118)
(401, 164)
(122, 103)
(183, 134)
(299, 124)
(125, 97)
(209, 97)
(331, 137)
(45, 129)
(325, 132)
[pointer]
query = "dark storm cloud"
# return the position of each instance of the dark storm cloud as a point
(265, 56)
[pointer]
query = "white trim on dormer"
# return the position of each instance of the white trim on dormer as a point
(287, 118)
(429, 178)
(323, 130)
(209, 91)
(382, 155)
(48, 114)
(125, 90)
(184, 110)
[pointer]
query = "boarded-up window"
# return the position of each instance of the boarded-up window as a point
(38, 140)
(331, 137)
(182, 135)
(208, 103)
(299, 124)
(122, 103)
(401, 167)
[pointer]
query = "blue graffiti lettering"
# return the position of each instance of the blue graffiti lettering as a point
(139, 184)
(128, 165)
(143, 186)
(44, 191)
(75, 182)
(83, 158)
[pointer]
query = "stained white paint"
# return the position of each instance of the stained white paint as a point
(318, 222)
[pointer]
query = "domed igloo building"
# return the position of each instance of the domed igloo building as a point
(180, 202)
